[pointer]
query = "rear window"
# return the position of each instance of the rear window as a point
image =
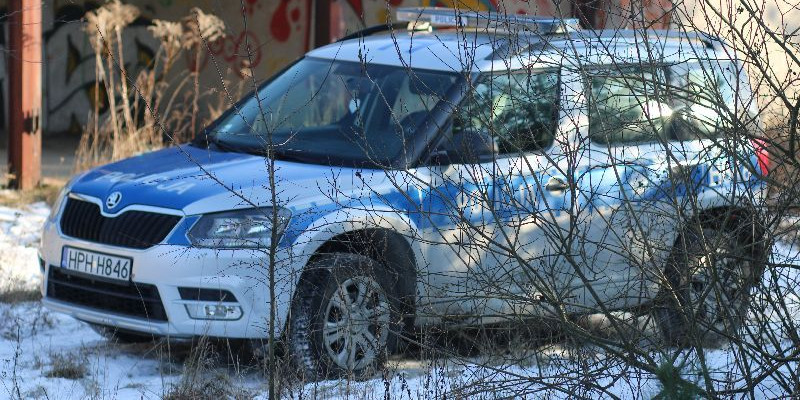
(687, 101)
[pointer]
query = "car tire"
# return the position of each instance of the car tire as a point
(345, 318)
(710, 272)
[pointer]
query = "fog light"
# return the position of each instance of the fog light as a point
(216, 311)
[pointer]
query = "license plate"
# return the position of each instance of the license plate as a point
(97, 264)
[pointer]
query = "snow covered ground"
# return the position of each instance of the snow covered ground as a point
(48, 355)
(19, 235)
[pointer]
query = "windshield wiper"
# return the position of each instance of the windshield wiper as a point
(295, 156)
(211, 138)
(277, 153)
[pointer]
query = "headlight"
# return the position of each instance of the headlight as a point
(57, 204)
(63, 195)
(248, 228)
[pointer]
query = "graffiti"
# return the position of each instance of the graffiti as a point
(250, 6)
(242, 51)
(70, 68)
(69, 73)
(286, 17)
(658, 12)
(249, 47)
(358, 6)
(538, 7)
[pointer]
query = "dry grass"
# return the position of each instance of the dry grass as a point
(213, 386)
(68, 366)
(202, 379)
(201, 28)
(152, 107)
(14, 296)
(45, 192)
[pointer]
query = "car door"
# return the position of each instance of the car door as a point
(626, 218)
(507, 214)
(533, 194)
(456, 221)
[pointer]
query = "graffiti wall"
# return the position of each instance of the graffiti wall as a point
(262, 36)
(70, 62)
(69, 75)
(531, 7)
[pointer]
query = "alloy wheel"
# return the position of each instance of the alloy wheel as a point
(356, 323)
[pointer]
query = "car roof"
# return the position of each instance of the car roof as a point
(459, 50)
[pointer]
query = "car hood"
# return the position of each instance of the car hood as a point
(197, 180)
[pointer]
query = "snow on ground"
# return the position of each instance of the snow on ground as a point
(49, 355)
(34, 342)
(19, 235)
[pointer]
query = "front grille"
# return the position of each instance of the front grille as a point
(133, 229)
(132, 299)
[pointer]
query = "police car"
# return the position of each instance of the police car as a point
(454, 168)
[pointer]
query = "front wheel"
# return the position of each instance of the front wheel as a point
(344, 318)
(710, 273)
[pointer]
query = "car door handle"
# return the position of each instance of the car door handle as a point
(556, 184)
(683, 170)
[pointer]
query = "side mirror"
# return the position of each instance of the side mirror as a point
(469, 146)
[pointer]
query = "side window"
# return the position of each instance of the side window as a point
(518, 110)
(628, 105)
(685, 101)
(703, 97)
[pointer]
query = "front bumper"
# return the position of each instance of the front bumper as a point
(243, 273)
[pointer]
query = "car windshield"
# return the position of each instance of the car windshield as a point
(334, 112)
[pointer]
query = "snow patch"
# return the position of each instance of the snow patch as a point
(20, 231)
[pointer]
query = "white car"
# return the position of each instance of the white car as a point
(462, 170)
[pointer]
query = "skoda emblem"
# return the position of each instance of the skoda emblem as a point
(113, 199)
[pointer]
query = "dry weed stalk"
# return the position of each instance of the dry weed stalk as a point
(104, 27)
(138, 111)
(169, 34)
(199, 29)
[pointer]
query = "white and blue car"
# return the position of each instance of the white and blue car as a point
(465, 169)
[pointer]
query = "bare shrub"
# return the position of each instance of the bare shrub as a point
(200, 29)
(21, 295)
(158, 106)
(68, 366)
(202, 378)
(104, 27)
(46, 192)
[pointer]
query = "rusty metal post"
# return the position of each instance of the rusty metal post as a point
(322, 23)
(25, 93)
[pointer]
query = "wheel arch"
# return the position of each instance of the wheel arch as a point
(750, 228)
(386, 246)
(743, 223)
(387, 237)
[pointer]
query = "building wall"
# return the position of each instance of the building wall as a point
(276, 32)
